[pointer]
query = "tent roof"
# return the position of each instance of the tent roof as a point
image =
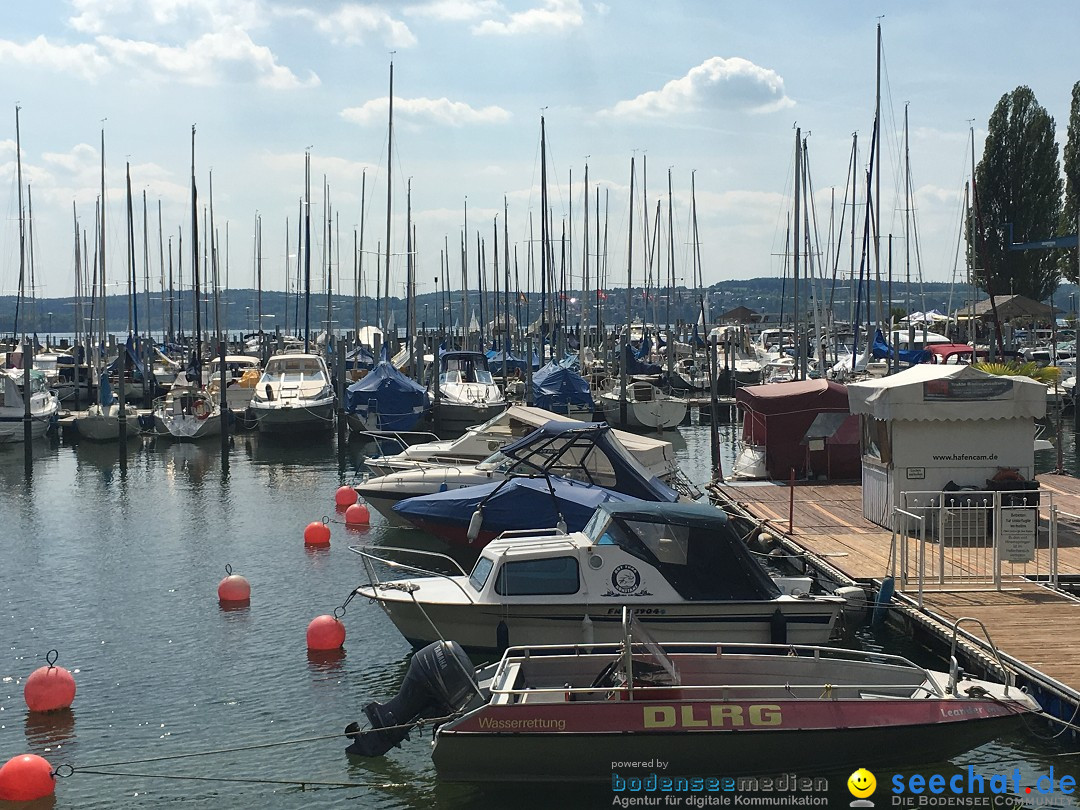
(1008, 306)
(793, 396)
(943, 392)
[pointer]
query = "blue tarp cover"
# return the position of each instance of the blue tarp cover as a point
(554, 387)
(521, 503)
(399, 401)
(882, 350)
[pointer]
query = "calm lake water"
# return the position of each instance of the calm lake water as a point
(118, 571)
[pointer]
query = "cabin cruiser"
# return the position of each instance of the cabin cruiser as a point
(472, 447)
(591, 452)
(683, 567)
(44, 405)
(467, 392)
(566, 713)
(294, 394)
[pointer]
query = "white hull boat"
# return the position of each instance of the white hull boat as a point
(682, 567)
(294, 395)
(647, 408)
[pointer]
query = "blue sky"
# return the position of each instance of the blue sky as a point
(713, 88)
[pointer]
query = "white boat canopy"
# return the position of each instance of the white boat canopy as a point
(942, 393)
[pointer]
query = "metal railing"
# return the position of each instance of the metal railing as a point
(975, 539)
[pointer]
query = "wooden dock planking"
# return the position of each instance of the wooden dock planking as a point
(1029, 623)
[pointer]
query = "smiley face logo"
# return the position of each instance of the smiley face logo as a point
(862, 783)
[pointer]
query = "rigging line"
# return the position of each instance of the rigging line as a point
(167, 757)
(303, 783)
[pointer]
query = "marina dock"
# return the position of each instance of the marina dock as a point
(1030, 623)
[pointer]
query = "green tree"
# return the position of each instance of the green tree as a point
(1017, 183)
(1069, 267)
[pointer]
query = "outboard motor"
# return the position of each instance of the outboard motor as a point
(439, 681)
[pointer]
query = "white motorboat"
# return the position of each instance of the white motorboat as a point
(647, 408)
(601, 713)
(467, 392)
(582, 451)
(472, 447)
(682, 567)
(44, 405)
(294, 394)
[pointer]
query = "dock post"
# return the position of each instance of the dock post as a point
(223, 401)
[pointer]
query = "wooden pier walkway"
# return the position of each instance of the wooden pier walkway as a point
(1033, 626)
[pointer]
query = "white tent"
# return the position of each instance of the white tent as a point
(944, 392)
(935, 425)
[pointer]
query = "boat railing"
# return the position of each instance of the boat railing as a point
(954, 669)
(515, 655)
(373, 577)
(400, 437)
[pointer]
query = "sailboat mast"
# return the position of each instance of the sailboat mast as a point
(22, 223)
(307, 250)
(796, 245)
(389, 198)
(196, 294)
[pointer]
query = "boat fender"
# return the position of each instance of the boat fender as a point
(884, 597)
(440, 680)
(587, 630)
(475, 522)
(777, 628)
(502, 636)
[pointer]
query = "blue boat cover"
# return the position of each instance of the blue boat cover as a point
(636, 366)
(360, 357)
(520, 503)
(556, 387)
(398, 401)
(882, 350)
(513, 362)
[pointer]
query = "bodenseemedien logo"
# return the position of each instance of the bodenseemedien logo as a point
(862, 785)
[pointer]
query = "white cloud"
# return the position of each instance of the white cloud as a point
(453, 10)
(436, 110)
(353, 24)
(717, 83)
(229, 54)
(126, 16)
(82, 60)
(555, 16)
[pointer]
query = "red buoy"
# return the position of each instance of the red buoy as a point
(317, 533)
(357, 515)
(25, 778)
(50, 687)
(325, 633)
(234, 589)
(345, 496)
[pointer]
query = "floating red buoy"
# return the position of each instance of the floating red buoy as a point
(234, 589)
(317, 534)
(25, 778)
(357, 515)
(50, 687)
(345, 496)
(325, 633)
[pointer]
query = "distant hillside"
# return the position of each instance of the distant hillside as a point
(240, 308)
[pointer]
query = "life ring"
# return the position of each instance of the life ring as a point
(200, 410)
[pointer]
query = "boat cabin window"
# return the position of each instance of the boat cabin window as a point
(479, 575)
(556, 575)
(669, 543)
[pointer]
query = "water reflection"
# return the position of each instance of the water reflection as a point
(49, 730)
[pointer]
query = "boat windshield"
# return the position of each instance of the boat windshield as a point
(479, 575)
